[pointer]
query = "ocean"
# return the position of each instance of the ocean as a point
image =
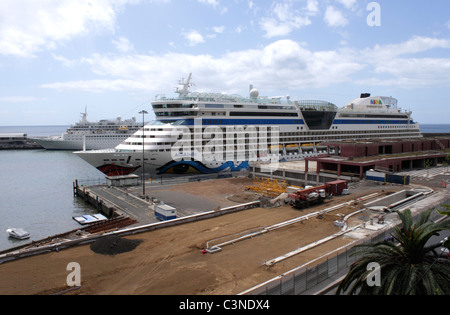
(36, 187)
(435, 128)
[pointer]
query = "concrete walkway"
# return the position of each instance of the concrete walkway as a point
(133, 206)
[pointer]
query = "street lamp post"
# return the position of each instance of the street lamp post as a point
(143, 112)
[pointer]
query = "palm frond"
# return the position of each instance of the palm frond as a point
(410, 267)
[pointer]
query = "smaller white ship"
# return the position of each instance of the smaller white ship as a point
(86, 135)
(18, 233)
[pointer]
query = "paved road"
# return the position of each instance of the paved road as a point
(426, 173)
(137, 209)
(186, 204)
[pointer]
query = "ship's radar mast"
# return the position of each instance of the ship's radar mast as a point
(84, 116)
(184, 91)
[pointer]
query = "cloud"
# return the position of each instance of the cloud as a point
(286, 62)
(219, 29)
(123, 45)
(312, 6)
(285, 18)
(28, 27)
(194, 38)
(66, 62)
(334, 17)
(215, 4)
(349, 4)
(283, 65)
(414, 45)
(19, 99)
(398, 66)
(96, 86)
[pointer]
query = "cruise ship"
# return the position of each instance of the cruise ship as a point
(89, 135)
(210, 133)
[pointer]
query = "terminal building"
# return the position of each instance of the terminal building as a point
(16, 141)
(350, 160)
(354, 158)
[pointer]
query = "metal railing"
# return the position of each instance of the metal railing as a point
(158, 181)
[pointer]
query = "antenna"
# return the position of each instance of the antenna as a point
(185, 90)
(84, 115)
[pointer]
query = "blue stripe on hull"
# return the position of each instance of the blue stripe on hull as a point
(201, 168)
(370, 122)
(243, 122)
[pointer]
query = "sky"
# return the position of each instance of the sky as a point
(58, 57)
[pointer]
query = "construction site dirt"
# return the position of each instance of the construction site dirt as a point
(172, 260)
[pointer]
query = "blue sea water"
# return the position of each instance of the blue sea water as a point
(35, 131)
(36, 186)
(435, 128)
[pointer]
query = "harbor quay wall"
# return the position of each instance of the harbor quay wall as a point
(89, 197)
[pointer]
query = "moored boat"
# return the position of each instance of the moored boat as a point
(18, 233)
(85, 134)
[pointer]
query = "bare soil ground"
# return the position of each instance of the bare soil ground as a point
(170, 260)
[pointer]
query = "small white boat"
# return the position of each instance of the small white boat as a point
(18, 233)
(86, 219)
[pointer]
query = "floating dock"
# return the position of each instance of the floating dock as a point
(88, 219)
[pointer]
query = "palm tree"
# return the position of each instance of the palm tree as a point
(444, 212)
(409, 267)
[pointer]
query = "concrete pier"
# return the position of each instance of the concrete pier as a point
(127, 201)
(17, 141)
(114, 202)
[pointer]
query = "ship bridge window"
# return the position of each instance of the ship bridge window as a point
(279, 114)
(178, 122)
(214, 106)
(276, 107)
(176, 114)
(159, 106)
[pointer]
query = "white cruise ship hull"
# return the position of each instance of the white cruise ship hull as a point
(159, 159)
(114, 162)
(87, 135)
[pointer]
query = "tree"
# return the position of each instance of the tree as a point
(444, 212)
(446, 244)
(409, 267)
